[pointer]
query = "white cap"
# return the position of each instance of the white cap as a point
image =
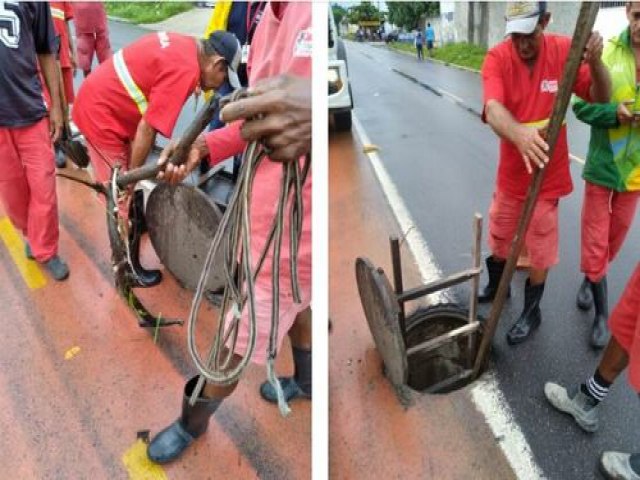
(522, 17)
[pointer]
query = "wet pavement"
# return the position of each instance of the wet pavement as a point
(442, 160)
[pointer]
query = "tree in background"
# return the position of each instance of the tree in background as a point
(338, 13)
(407, 14)
(365, 11)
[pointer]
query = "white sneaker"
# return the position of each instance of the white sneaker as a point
(617, 466)
(581, 407)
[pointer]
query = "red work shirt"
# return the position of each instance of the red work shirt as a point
(61, 12)
(529, 94)
(165, 68)
(90, 17)
(278, 47)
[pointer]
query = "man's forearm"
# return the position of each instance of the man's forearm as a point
(501, 120)
(600, 83)
(49, 67)
(142, 143)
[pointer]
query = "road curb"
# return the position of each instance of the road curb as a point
(119, 19)
(435, 60)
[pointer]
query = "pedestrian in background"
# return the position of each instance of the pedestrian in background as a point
(27, 168)
(92, 34)
(419, 42)
(430, 35)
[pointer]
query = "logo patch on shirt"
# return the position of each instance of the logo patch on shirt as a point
(549, 86)
(303, 45)
(164, 39)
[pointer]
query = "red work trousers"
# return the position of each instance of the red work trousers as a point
(89, 43)
(606, 218)
(28, 186)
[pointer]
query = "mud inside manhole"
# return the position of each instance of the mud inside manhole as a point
(427, 369)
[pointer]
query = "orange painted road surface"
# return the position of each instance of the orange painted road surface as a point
(79, 379)
(371, 435)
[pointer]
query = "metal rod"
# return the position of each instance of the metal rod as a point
(584, 26)
(397, 281)
(443, 339)
(431, 287)
(448, 382)
(181, 152)
(475, 283)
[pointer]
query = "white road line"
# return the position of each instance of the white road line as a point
(486, 394)
(449, 94)
(429, 271)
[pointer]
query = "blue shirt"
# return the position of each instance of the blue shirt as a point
(26, 30)
(430, 34)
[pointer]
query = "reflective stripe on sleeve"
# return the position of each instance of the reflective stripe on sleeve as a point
(57, 13)
(127, 82)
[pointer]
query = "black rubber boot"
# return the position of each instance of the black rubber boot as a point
(530, 317)
(171, 442)
(494, 270)
(584, 299)
(142, 277)
(600, 332)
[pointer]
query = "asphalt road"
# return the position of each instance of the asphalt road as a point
(442, 159)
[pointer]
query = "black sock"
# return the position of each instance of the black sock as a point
(596, 387)
(634, 460)
(302, 363)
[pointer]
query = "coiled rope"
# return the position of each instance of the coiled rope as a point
(234, 237)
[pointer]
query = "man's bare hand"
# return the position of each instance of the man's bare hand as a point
(55, 122)
(593, 49)
(624, 114)
(175, 174)
(532, 147)
(278, 113)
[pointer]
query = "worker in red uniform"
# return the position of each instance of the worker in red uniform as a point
(278, 114)
(92, 34)
(139, 92)
(520, 77)
(27, 169)
(62, 13)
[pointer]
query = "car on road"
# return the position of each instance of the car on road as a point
(340, 98)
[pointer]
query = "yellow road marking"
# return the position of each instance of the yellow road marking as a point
(72, 352)
(30, 271)
(138, 466)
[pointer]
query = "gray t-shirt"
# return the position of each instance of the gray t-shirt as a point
(26, 29)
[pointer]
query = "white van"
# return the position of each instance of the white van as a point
(340, 99)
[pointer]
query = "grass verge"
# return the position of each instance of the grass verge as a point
(146, 12)
(462, 54)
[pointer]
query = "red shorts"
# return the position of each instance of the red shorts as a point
(625, 326)
(606, 218)
(67, 81)
(541, 239)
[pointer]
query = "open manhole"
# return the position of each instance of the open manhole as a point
(439, 367)
(429, 356)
